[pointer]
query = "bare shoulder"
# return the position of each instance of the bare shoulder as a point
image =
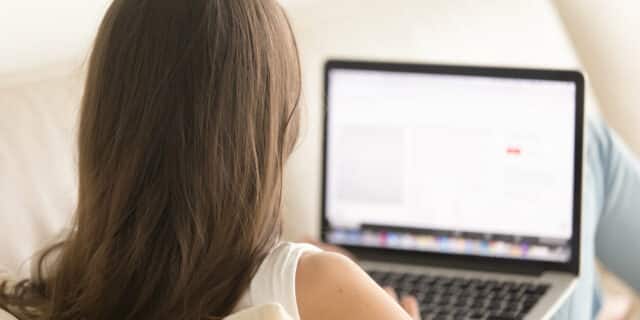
(326, 264)
(332, 286)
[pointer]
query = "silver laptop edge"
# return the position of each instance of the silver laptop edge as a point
(562, 283)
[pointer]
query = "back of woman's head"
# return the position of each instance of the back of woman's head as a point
(187, 119)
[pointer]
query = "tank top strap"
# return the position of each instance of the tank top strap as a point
(275, 280)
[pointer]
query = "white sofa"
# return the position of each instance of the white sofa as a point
(37, 166)
(37, 115)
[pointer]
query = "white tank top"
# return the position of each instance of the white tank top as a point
(275, 280)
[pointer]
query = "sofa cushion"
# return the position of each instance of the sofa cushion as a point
(37, 166)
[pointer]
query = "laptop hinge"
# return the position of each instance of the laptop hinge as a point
(468, 263)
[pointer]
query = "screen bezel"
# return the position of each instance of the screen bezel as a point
(461, 260)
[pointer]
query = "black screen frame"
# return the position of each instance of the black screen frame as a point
(460, 260)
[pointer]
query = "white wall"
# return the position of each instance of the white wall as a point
(606, 35)
(37, 35)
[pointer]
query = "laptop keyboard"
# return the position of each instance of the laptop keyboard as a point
(452, 298)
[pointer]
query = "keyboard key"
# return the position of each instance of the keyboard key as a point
(461, 303)
(469, 294)
(504, 316)
(464, 298)
(512, 307)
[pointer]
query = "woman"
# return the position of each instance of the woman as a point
(188, 116)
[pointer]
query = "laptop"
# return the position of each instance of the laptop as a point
(460, 185)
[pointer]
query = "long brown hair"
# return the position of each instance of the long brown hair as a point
(188, 116)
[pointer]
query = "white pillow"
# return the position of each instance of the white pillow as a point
(37, 166)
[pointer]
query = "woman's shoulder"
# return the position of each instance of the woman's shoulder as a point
(332, 286)
(313, 284)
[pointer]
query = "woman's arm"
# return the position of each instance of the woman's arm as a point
(332, 286)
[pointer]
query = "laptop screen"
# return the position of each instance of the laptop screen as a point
(453, 164)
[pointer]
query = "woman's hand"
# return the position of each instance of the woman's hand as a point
(408, 303)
